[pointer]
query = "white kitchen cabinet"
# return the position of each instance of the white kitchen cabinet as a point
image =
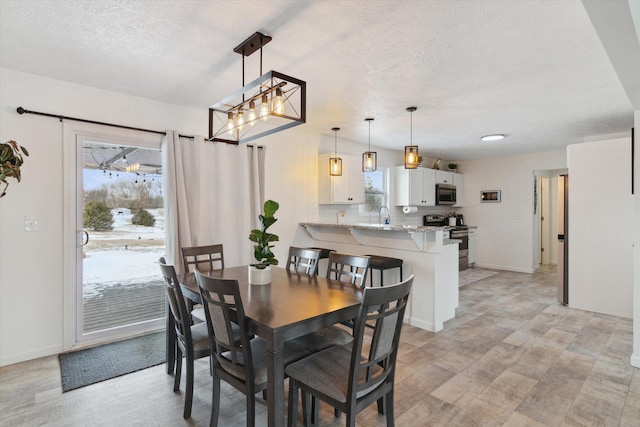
(443, 177)
(415, 187)
(346, 189)
(458, 181)
(472, 246)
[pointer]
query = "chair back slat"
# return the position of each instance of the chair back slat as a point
(384, 307)
(348, 268)
(177, 304)
(203, 258)
(303, 260)
(223, 307)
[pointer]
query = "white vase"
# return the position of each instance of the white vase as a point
(259, 276)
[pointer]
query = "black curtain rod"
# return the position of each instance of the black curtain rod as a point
(21, 110)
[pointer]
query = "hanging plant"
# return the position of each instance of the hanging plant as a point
(10, 162)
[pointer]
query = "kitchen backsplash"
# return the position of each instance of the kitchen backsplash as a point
(350, 214)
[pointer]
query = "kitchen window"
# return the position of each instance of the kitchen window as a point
(376, 191)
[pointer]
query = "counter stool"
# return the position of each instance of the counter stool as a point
(324, 253)
(382, 263)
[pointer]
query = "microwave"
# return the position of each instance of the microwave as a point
(445, 194)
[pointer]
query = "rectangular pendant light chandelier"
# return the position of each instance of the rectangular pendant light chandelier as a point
(271, 103)
(411, 151)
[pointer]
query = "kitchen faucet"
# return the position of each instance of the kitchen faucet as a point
(387, 219)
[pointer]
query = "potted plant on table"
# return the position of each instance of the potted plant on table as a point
(10, 162)
(260, 272)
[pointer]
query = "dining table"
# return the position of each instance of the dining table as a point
(292, 305)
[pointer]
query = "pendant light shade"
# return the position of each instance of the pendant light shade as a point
(369, 158)
(411, 151)
(335, 162)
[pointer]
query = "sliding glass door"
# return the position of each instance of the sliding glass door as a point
(120, 222)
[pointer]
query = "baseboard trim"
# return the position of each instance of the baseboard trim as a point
(35, 354)
(506, 268)
(635, 360)
(425, 325)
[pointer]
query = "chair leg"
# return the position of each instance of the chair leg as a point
(381, 405)
(251, 409)
(178, 373)
(388, 408)
(306, 411)
(215, 402)
(292, 412)
(188, 401)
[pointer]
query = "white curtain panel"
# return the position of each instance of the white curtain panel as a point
(213, 193)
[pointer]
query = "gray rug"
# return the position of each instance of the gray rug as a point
(89, 366)
(471, 275)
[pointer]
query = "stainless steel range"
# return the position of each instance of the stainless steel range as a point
(459, 232)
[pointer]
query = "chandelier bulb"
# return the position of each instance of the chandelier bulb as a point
(278, 103)
(264, 108)
(240, 120)
(230, 123)
(252, 113)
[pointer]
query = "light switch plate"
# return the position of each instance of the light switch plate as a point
(30, 223)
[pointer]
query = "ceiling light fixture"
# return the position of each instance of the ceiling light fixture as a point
(493, 137)
(369, 158)
(335, 162)
(411, 151)
(283, 102)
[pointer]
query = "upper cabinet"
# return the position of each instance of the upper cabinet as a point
(345, 189)
(415, 187)
(443, 177)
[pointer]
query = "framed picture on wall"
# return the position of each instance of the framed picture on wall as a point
(490, 196)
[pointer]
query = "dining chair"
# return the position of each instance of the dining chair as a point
(348, 268)
(192, 339)
(203, 258)
(351, 377)
(305, 261)
(241, 363)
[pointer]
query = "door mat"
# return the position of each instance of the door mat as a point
(471, 275)
(92, 365)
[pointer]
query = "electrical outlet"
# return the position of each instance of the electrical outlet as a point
(30, 223)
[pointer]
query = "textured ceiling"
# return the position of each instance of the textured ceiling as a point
(534, 70)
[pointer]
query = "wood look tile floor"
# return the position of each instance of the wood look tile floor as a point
(512, 356)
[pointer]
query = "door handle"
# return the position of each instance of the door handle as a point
(560, 236)
(86, 238)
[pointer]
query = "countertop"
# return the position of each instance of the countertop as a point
(385, 227)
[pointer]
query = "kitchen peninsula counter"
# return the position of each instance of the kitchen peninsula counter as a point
(424, 250)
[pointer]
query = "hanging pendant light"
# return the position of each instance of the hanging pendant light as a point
(411, 151)
(369, 158)
(335, 162)
(275, 102)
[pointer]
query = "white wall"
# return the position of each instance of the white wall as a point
(31, 263)
(635, 358)
(507, 236)
(600, 244)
